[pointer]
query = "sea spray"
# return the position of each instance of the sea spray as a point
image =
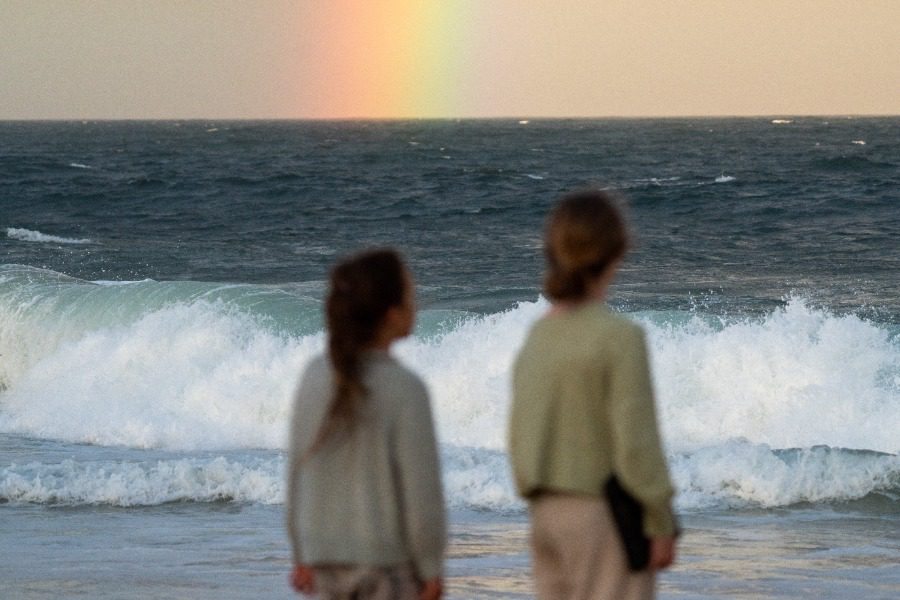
(798, 377)
(149, 483)
(798, 405)
(738, 474)
(467, 370)
(187, 376)
(28, 235)
(735, 474)
(210, 374)
(41, 310)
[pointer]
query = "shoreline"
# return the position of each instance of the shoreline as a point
(784, 554)
(211, 551)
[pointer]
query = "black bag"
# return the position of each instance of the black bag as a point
(629, 517)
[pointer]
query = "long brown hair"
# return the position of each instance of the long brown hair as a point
(363, 288)
(585, 234)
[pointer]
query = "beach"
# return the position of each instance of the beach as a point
(241, 553)
(161, 291)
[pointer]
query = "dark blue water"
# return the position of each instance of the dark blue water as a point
(734, 212)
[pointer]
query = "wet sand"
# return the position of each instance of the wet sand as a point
(784, 554)
(185, 551)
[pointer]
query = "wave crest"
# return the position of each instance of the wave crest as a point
(71, 483)
(736, 474)
(739, 474)
(754, 411)
(28, 235)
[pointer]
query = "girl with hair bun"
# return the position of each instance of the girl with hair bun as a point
(365, 508)
(583, 421)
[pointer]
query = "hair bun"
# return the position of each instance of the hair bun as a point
(585, 234)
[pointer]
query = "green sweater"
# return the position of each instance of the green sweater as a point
(583, 409)
(371, 496)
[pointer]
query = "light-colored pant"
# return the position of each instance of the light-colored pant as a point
(577, 553)
(362, 582)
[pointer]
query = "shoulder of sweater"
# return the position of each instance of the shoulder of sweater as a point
(317, 368)
(400, 376)
(617, 333)
(318, 362)
(591, 321)
(617, 324)
(399, 391)
(315, 377)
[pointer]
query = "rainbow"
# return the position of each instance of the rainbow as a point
(388, 59)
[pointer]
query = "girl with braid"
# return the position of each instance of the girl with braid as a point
(365, 508)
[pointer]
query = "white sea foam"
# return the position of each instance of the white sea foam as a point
(734, 474)
(28, 235)
(76, 165)
(185, 376)
(657, 181)
(204, 375)
(781, 121)
(741, 474)
(724, 178)
(473, 479)
(114, 282)
(467, 370)
(732, 394)
(799, 377)
(143, 483)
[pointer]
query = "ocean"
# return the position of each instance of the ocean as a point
(161, 289)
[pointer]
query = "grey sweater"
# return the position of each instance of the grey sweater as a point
(370, 495)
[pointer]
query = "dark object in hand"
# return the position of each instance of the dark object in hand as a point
(628, 515)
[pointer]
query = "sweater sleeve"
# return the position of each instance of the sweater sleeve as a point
(296, 452)
(419, 474)
(638, 459)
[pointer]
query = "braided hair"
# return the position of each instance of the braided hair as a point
(363, 288)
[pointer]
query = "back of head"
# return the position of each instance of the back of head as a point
(363, 287)
(585, 234)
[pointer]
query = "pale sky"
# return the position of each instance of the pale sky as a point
(217, 59)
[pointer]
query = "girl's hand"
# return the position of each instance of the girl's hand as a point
(433, 589)
(303, 580)
(662, 552)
